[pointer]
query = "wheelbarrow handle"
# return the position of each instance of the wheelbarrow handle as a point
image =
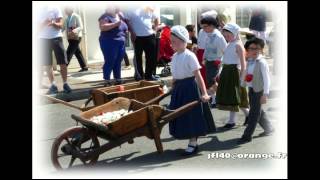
(180, 111)
(62, 102)
(156, 100)
(87, 102)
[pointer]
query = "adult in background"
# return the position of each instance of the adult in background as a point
(73, 26)
(50, 34)
(112, 43)
(140, 23)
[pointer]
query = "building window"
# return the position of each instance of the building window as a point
(243, 15)
(170, 15)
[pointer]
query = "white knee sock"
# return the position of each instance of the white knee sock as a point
(232, 118)
(213, 98)
(192, 142)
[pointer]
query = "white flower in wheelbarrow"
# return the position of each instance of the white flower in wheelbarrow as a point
(109, 117)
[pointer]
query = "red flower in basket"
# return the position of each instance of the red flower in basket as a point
(120, 88)
(161, 91)
(249, 77)
(217, 62)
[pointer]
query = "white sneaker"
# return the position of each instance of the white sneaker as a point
(126, 67)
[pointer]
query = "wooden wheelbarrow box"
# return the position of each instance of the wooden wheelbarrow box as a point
(141, 91)
(138, 118)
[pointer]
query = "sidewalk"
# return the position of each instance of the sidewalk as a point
(83, 82)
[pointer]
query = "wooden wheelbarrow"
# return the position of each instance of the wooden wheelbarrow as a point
(80, 143)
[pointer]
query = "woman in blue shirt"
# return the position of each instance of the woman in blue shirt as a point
(112, 43)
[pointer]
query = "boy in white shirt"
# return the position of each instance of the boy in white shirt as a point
(258, 80)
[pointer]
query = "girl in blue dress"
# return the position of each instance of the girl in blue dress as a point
(186, 83)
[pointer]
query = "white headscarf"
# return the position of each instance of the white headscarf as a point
(233, 28)
(181, 32)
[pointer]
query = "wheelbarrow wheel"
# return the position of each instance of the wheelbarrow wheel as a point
(76, 140)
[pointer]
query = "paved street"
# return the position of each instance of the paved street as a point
(141, 158)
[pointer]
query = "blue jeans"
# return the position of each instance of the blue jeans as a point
(113, 52)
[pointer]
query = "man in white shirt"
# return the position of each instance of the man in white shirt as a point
(140, 22)
(50, 34)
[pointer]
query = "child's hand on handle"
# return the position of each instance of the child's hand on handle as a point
(205, 98)
(263, 99)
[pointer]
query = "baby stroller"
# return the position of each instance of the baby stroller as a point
(165, 51)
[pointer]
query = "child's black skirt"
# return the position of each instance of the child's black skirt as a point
(192, 123)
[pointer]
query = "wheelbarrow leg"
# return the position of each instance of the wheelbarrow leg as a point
(155, 131)
(157, 141)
